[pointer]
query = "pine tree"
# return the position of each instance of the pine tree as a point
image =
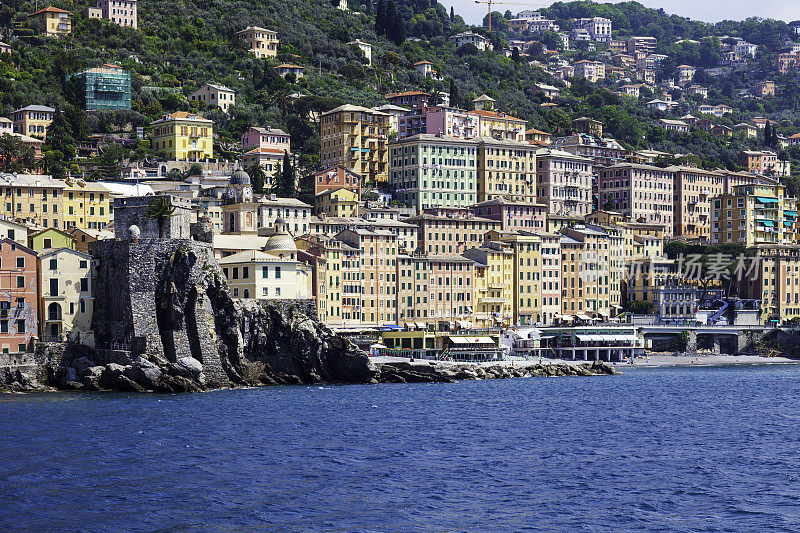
(380, 18)
(454, 98)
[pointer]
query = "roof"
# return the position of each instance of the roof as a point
(256, 28)
(351, 108)
(49, 9)
(423, 63)
(218, 87)
(247, 256)
(36, 108)
(18, 245)
(182, 115)
(32, 235)
(50, 251)
(484, 98)
(673, 122)
(288, 65)
(432, 137)
(264, 151)
(293, 202)
(494, 114)
(391, 107)
(407, 93)
(238, 242)
(534, 131)
(127, 189)
(99, 234)
(270, 131)
(31, 180)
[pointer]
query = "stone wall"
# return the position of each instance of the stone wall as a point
(132, 211)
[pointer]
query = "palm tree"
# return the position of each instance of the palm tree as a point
(160, 209)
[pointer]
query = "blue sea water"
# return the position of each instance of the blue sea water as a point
(674, 449)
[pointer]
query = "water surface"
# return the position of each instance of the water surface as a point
(681, 449)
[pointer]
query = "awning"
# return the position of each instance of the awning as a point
(767, 223)
(421, 325)
(545, 337)
(616, 306)
(583, 317)
(602, 313)
(377, 346)
(765, 200)
(788, 223)
(790, 213)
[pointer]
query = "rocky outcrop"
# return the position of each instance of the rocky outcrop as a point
(164, 321)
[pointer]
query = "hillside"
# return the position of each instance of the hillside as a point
(181, 45)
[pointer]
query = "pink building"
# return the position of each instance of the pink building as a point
(122, 12)
(513, 215)
(266, 138)
(18, 297)
(551, 276)
(448, 121)
(644, 193)
(435, 289)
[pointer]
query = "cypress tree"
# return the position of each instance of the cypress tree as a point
(454, 99)
(388, 20)
(380, 18)
(768, 134)
(452, 14)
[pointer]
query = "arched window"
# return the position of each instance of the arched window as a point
(54, 311)
(246, 293)
(233, 222)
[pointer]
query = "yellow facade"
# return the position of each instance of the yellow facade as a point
(356, 138)
(527, 301)
(754, 214)
(493, 287)
(506, 169)
(183, 136)
(32, 199)
(65, 296)
(337, 203)
(260, 42)
(776, 282)
(86, 205)
(53, 21)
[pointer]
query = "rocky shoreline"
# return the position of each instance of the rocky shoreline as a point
(186, 375)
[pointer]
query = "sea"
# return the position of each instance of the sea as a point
(658, 449)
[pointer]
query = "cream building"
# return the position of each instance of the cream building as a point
(357, 139)
(66, 296)
(260, 42)
(215, 95)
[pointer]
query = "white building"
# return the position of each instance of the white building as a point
(468, 37)
(215, 95)
(365, 48)
(599, 28)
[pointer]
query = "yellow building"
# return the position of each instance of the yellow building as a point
(754, 214)
(644, 278)
(84, 237)
(32, 199)
(66, 296)
(587, 275)
(183, 136)
(493, 286)
(339, 202)
(528, 268)
(50, 238)
(260, 42)
(776, 282)
(356, 138)
(52, 21)
(33, 120)
(87, 205)
(326, 259)
(506, 169)
(694, 188)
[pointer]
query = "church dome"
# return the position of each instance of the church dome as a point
(240, 177)
(280, 241)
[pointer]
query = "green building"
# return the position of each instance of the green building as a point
(105, 87)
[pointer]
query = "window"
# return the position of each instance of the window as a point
(53, 286)
(265, 291)
(277, 272)
(245, 273)
(277, 291)
(20, 281)
(20, 262)
(84, 284)
(82, 306)
(20, 326)
(3, 326)
(53, 264)
(265, 273)
(236, 273)
(83, 263)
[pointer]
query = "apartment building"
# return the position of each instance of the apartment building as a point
(19, 317)
(764, 162)
(586, 272)
(599, 28)
(86, 205)
(603, 151)
(369, 292)
(273, 138)
(479, 41)
(335, 178)
(33, 120)
(329, 227)
(447, 121)
(500, 126)
(254, 216)
(506, 169)
(590, 70)
(215, 95)
(513, 216)
(32, 199)
(434, 289)
(642, 192)
(325, 257)
(564, 182)
(339, 202)
(182, 136)
(121, 12)
(260, 42)
(66, 296)
(754, 214)
(434, 170)
(693, 190)
(494, 284)
(356, 138)
(775, 282)
(641, 44)
(527, 275)
(410, 99)
(439, 234)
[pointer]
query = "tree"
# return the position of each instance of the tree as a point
(515, 54)
(454, 97)
(284, 182)
(768, 133)
(380, 18)
(160, 209)
(59, 135)
(452, 14)
(258, 177)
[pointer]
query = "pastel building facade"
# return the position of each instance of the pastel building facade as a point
(66, 296)
(19, 317)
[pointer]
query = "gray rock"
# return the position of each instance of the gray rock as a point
(189, 367)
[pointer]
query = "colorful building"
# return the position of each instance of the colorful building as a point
(356, 138)
(87, 205)
(121, 12)
(19, 318)
(340, 202)
(433, 170)
(753, 215)
(50, 238)
(513, 216)
(441, 234)
(52, 22)
(775, 282)
(693, 189)
(434, 289)
(32, 199)
(66, 297)
(506, 169)
(33, 120)
(215, 95)
(564, 182)
(494, 284)
(335, 178)
(642, 192)
(183, 136)
(260, 42)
